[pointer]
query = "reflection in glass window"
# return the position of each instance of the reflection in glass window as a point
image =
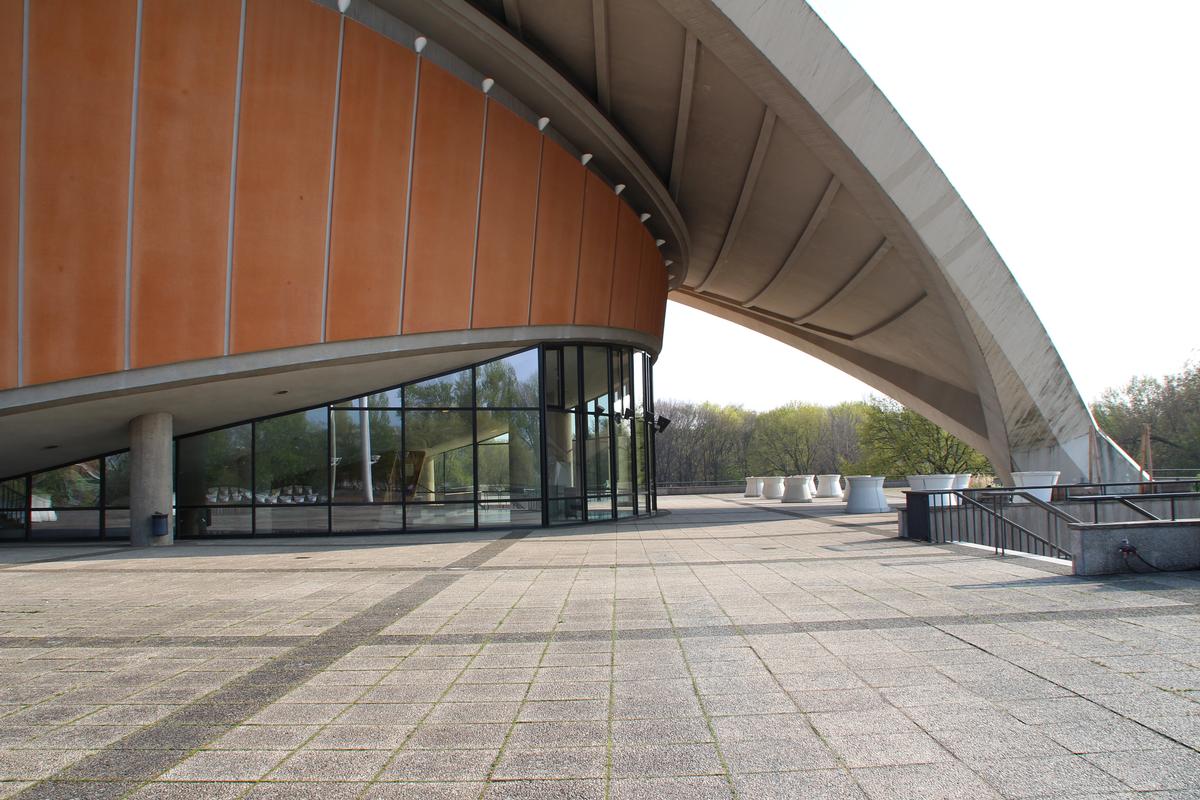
(468, 449)
(639, 384)
(439, 516)
(570, 392)
(510, 382)
(563, 465)
(116, 481)
(553, 376)
(214, 468)
(12, 509)
(367, 457)
(444, 391)
(618, 403)
(367, 519)
(292, 519)
(506, 513)
(440, 458)
(624, 468)
(624, 386)
(639, 430)
(388, 398)
(291, 459)
(74, 486)
(509, 455)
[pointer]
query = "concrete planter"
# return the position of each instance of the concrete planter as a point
(772, 488)
(798, 489)
(1039, 478)
(754, 487)
(865, 495)
(936, 483)
(940, 483)
(829, 486)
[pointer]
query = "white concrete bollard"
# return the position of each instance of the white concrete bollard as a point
(865, 495)
(753, 487)
(772, 488)
(797, 489)
(829, 486)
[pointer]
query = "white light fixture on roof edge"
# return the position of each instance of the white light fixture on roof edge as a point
(620, 187)
(487, 85)
(668, 263)
(645, 216)
(543, 123)
(659, 242)
(343, 6)
(419, 43)
(585, 158)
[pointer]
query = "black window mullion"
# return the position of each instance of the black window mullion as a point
(104, 499)
(475, 447)
(330, 475)
(29, 507)
(404, 459)
(253, 479)
(543, 354)
(614, 420)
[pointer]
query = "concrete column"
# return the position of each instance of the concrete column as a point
(150, 451)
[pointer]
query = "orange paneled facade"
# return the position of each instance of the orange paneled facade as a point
(597, 252)
(556, 249)
(281, 206)
(445, 195)
(631, 240)
(507, 219)
(11, 40)
(188, 78)
(370, 198)
(77, 121)
(448, 210)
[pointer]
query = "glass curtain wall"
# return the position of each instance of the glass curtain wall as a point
(553, 435)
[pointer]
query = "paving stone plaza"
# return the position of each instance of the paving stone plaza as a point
(729, 648)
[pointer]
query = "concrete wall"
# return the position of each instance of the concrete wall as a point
(1165, 545)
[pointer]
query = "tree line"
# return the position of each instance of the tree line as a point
(1170, 406)
(707, 442)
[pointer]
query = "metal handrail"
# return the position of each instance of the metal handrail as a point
(1127, 502)
(971, 515)
(1010, 523)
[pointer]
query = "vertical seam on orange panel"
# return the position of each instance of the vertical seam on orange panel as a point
(579, 249)
(133, 120)
(233, 160)
(612, 273)
(337, 113)
(537, 210)
(412, 159)
(637, 285)
(21, 195)
(478, 211)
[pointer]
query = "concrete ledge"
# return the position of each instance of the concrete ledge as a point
(1163, 544)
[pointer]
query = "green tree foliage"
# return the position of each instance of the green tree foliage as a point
(787, 440)
(705, 442)
(899, 441)
(1169, 405)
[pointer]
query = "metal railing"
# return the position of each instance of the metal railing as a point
(1021, 520)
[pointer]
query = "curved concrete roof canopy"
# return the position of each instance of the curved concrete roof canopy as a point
(816, 217)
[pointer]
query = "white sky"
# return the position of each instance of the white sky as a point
(1072, 130)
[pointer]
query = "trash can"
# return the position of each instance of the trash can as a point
(158, 524)
(917, 505)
